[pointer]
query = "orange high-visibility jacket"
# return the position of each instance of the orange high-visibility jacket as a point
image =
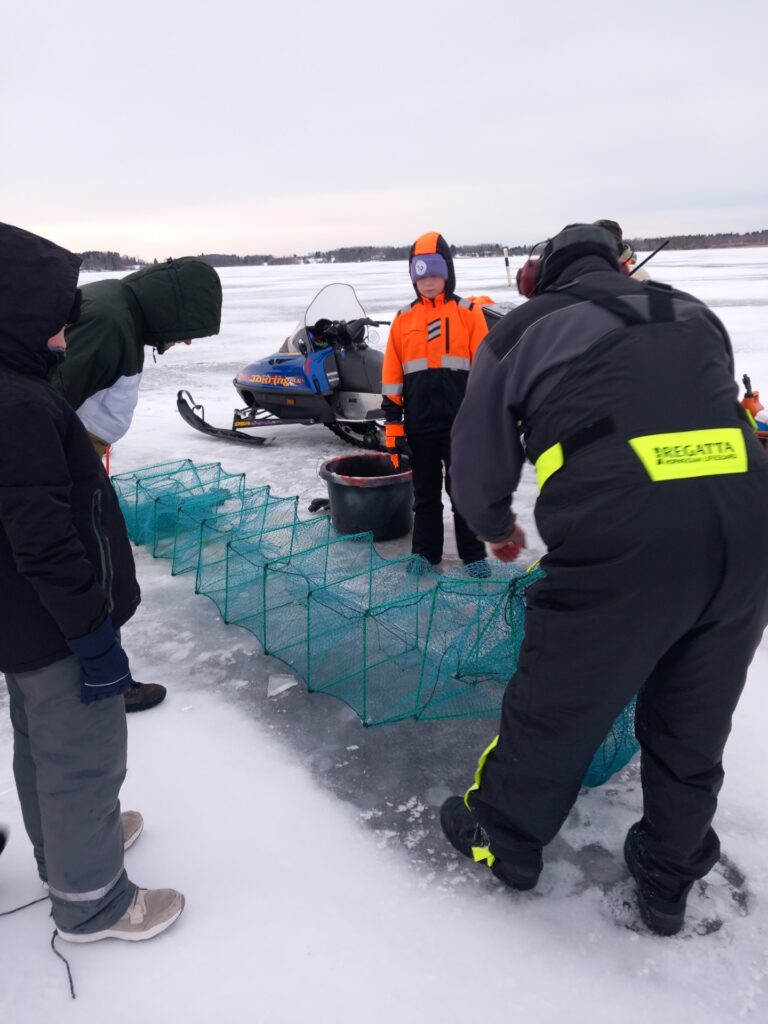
(431, 347)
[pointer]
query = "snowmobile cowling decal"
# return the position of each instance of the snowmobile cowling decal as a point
(272, 378)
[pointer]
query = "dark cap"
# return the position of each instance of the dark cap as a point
(571, 244)
(613, 226)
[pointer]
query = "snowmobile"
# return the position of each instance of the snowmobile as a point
(324, 372)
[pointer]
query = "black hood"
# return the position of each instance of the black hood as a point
(38, 292)
(571, 244)
(432, 242)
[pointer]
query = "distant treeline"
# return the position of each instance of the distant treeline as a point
(347, 254)
(93, 260)
(369, 253)
(721, 240)
(217, 259)
(366, 253)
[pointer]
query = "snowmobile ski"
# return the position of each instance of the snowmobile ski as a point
(194, 414)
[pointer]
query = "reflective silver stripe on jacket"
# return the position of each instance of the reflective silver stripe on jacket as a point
(392, 389)
(433, 330)
(414, 365)
(465, 303)
(455, 363)
(86, 897)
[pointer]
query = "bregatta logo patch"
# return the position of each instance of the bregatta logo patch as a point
(690, 453)
(714, 451)
(420, 267)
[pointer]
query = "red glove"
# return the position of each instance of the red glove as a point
(509, 549)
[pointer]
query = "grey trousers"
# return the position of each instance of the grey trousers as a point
(69, 762)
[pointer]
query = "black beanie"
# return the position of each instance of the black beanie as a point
(572, 243)
(613, 226)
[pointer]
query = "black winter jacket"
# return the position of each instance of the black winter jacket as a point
(65, 557)
(523, 374)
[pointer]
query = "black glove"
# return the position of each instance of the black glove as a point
(319, 505)
(104, 669)
(396, 443)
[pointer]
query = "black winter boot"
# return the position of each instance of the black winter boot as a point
(662, 916)
(465, 834)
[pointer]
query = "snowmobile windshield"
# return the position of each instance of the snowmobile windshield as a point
(335, 302)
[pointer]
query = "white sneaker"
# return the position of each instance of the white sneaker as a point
(151, 912)
(133, 826)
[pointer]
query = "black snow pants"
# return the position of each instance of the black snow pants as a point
(432, 452)
(661, 591)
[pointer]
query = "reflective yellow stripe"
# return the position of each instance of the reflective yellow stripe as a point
(752, 420)
(690, 453)
(479, 771)
(483, 853)
(548, 463)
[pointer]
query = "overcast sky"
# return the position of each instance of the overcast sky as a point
(183, 126)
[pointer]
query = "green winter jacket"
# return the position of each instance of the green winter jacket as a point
(155, 306)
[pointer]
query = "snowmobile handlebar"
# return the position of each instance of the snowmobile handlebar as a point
(344, 332)
(324, 326)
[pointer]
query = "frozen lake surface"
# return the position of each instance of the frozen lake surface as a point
(319, 887)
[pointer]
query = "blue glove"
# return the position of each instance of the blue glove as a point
(103, 663)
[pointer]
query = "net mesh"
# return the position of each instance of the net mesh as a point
(389, 637)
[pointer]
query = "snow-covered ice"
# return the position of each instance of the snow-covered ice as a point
(319, 887)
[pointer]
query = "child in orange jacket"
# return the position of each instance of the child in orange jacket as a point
(430, 350)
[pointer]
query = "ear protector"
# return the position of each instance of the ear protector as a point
(526, 275)
(530, 275)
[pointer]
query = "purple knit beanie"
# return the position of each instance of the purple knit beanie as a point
(430, 265)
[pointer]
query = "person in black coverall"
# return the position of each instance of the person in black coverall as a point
(652, 501)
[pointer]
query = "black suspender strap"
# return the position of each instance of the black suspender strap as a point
(608, 301)
(661, 306)
(587, 435)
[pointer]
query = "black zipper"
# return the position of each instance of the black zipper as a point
(104, 549)
(447, 335)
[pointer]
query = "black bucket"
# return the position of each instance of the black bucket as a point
(367, 493)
